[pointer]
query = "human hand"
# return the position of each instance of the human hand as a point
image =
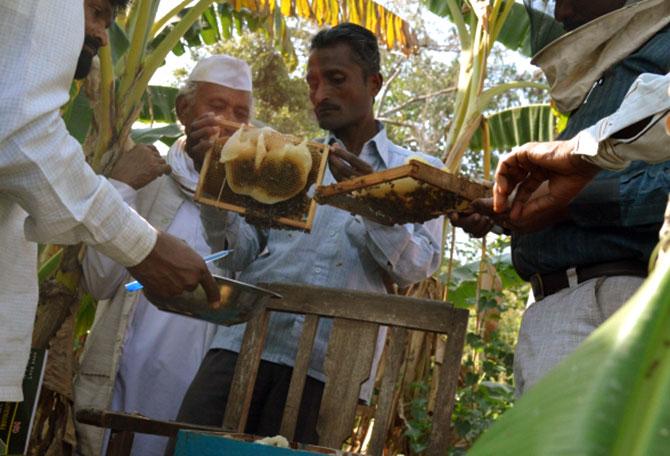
(172, 267)
(476, 219)
(345, 165)
(139, 166)
(201, 135)
(528, 167)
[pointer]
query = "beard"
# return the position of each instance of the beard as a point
(88, 51)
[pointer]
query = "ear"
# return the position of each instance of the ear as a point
(182, 108)
(375, 82)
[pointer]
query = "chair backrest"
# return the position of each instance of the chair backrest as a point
(356, 320)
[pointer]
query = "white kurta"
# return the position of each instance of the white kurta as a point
(43, 175)
(161, 351)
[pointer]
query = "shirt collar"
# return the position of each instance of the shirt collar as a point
(378, 143)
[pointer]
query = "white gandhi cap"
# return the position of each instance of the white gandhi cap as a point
(223, 70)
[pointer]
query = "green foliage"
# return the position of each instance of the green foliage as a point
(419, 423)
(167, 134)
(49, 266)
(516, 126)
(486, 388)
(515, 33)
(280, 98)
(77, 114)
(419, 99)
(84, 320)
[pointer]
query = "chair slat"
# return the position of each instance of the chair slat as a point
(244, 379)
(298, 377)
(446, 391)
(350, 352)
(389, 390)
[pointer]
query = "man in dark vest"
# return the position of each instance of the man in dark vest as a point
(585, 260)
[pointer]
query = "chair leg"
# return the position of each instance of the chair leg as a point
(120, 443)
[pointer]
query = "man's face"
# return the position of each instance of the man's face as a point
(99, 16)
(230, 104)
(575, 13)
(340, 93)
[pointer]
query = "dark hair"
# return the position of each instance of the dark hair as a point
(361, 41)
(119, 5)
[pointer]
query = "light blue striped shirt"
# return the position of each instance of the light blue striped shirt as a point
(342, 251)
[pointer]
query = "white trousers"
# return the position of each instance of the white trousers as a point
(552, 328)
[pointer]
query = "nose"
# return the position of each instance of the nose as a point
(97, 28)
(103, 36)
(318, 94)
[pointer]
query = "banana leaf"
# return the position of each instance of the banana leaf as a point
(77, 117)
(167, 134)
(610, 397)
(516, 126)
(515, 34)
(159, 104)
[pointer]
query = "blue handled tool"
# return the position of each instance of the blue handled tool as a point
(136, 286)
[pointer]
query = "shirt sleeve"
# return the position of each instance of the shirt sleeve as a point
(227, 230)
(408, 253)
(42, 167)
(102, 275)
(647, 100)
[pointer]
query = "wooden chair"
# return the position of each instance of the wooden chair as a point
(356, 320)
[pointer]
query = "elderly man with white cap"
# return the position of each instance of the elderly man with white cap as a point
(138, 358)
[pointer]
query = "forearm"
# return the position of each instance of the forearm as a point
(102, 275)
(408, 253)
(66, 201)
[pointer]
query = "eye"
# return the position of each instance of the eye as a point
(217, 104)
(337, 79)
(241, 115)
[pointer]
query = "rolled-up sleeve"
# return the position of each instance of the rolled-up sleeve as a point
(42, 167)
(647, 101)
(408, 253)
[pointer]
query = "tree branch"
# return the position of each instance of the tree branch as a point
(396, 122)
(418, 99)
(386, 88)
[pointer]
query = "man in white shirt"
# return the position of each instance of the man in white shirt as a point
(155, 354)
(47, 191)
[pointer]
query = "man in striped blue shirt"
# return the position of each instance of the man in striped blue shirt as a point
(342, 250)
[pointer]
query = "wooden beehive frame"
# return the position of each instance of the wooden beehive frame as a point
(346, 195)
(302, 224)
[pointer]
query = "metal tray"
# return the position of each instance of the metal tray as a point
(239, 302)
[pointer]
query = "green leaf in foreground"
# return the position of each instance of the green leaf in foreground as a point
(610, 397)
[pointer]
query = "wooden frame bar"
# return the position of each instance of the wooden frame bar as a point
(305, 225)
(440, 193)
(437, 316)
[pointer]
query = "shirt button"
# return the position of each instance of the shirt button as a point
(317, 270)
(332, 233)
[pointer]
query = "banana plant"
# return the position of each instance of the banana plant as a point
(479, 24)
(515, 126)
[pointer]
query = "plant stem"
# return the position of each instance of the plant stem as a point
(160, 23)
